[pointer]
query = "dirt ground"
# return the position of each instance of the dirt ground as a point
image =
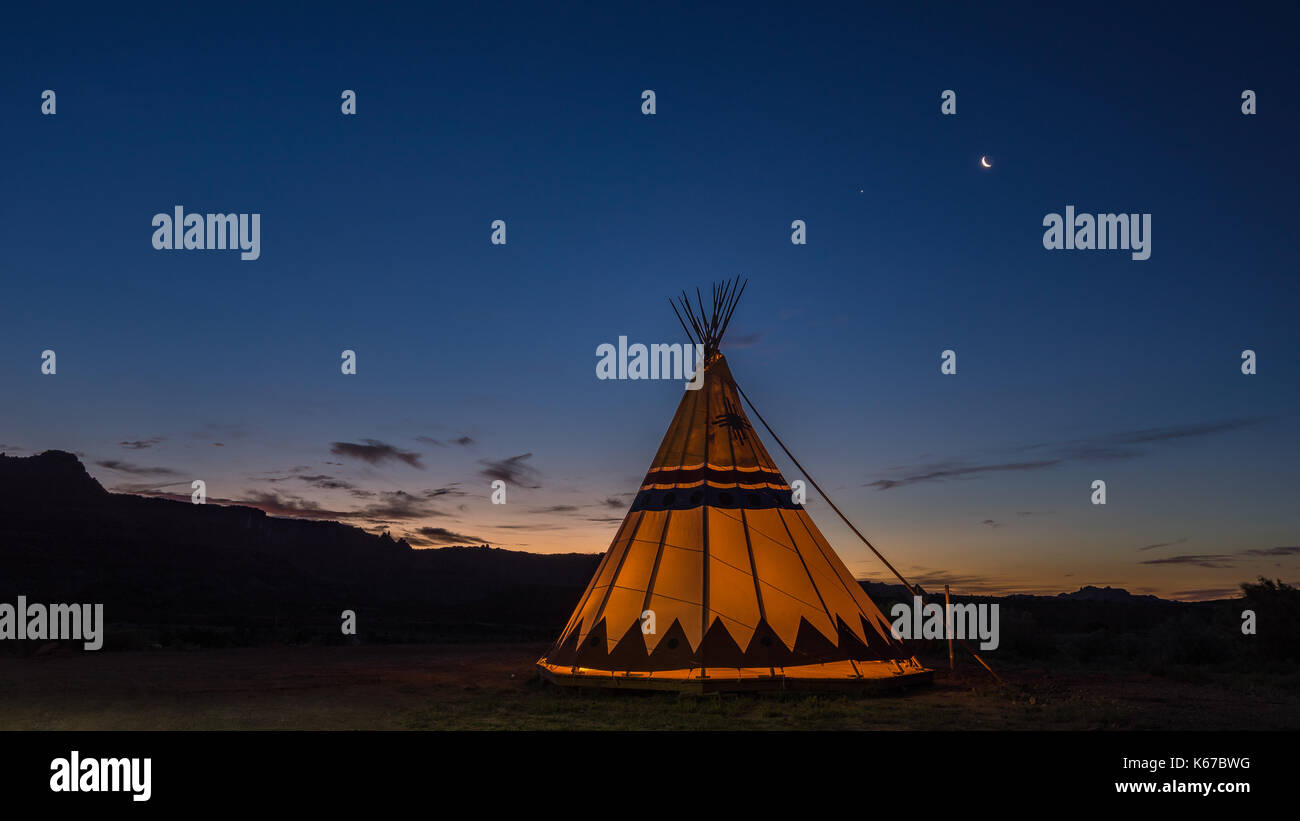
(493, 687)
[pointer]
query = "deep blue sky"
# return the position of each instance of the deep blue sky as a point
(375, 237)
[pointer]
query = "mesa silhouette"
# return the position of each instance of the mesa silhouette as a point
(169, 571)
(172, 573)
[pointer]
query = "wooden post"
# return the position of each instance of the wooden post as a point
(947, 620)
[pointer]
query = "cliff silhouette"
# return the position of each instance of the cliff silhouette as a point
(233, 574)
(173, 573)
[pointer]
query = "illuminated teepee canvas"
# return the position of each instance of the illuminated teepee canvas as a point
(717, 577)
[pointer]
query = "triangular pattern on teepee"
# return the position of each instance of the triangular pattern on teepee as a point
(736, 573)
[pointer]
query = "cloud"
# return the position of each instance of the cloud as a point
(1222, 560)
(1112, 446)
(278, 504)
(613, 502)
(325, 482)
(1206, 593)
(397, 504)
(134, 469)
(270, 475)
(448, 490)
(141, 444)
(1095, 452)
(393, 505)
(1119, 445)
(441, 535)
(375, 452)
(536, 526)
(511, 471)
(1289, 550)
(463, 441)
(555, 509)
(991, 523)
(1209, 560)
(949, 470)
(1184, 431)
(1163, 544)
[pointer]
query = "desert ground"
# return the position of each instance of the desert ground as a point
(493, 687)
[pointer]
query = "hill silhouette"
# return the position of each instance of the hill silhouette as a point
(179, 574)
(1107, 594)
(233, 574)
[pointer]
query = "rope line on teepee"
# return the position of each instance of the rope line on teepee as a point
(910, 588)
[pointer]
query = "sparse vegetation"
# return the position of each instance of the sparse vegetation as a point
(493, 687)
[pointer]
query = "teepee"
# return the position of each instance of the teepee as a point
(717, 579)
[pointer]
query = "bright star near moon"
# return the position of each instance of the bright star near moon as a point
(984, 161)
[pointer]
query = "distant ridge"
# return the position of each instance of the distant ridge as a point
(216, 575)
(64, 538)
(1089, 593)
(1108, 593)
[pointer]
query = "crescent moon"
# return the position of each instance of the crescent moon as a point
(984, 161)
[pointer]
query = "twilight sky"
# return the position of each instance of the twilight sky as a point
(477, 361)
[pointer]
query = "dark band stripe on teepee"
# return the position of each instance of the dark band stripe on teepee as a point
(724, 497)
(718, 476)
